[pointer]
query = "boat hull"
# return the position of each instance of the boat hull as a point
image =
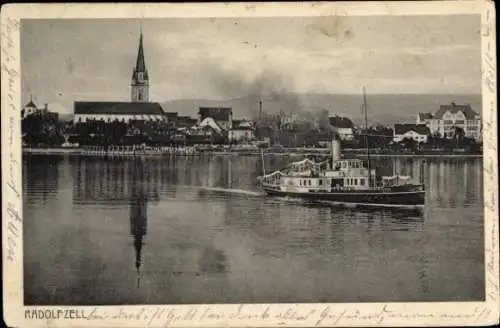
(368, 198)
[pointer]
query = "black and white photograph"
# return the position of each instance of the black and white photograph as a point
(253, 160)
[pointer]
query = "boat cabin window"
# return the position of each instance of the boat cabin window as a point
(362, 182)
(355, 181)
(309, 182)
(320, 182)
(343, 165)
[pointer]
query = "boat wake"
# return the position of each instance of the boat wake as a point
(345, 205)
(368, 205)
(233, 191)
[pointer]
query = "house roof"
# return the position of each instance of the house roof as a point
(425, 116)
(31, 104)
(117, 108)
(403, 128)
(217, 113)
(210, 121)
(454, 108)
(340, 122)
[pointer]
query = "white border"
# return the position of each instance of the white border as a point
(363, 314)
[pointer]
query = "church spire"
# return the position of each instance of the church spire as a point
(140, 76)
(141, 64)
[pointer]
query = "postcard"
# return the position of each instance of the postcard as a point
(300, 164)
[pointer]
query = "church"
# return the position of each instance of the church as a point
(138, 109)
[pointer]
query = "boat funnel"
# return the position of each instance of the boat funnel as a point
(335, 150)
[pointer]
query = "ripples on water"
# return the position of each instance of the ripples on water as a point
(197, 230)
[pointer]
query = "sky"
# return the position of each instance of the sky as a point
(66, 60)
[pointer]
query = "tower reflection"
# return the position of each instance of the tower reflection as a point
(138, 211)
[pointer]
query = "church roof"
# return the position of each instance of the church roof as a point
(140, 65)
(117, 108)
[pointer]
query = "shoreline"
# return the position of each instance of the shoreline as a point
(291, 152)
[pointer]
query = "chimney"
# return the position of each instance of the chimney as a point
(45, 107)
(453, 104)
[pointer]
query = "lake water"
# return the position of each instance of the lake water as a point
(177, 230)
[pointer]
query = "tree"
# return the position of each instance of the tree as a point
(409, 144)
(323, 120)
(458, 136)
(39, 129)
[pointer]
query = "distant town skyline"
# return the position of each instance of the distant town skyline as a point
(223, 58)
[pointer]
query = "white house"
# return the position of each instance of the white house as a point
(417, 132)
(241, 133)
(449, 117)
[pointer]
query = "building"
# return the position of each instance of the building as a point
(452, 116)
(212, 123)
(243, 130)
(288, 121)
(243, 123)
(109, 111)
(223, 116)
(172, 117)
(417, 132)
(241, 133)
(138, 109)
(186, 122)
(140, 77)
(31, 109)
(343, 126)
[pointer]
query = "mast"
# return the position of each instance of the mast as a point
(366, 137)
(262, 158)
(261, 151)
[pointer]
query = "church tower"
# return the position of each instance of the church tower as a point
(140, 77)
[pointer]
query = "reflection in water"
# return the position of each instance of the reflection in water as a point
(40, 177)
(212, 261)
(230, 244)
(138, 212)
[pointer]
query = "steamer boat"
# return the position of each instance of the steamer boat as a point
(344, 181)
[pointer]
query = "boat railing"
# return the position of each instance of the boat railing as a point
(271, 178)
